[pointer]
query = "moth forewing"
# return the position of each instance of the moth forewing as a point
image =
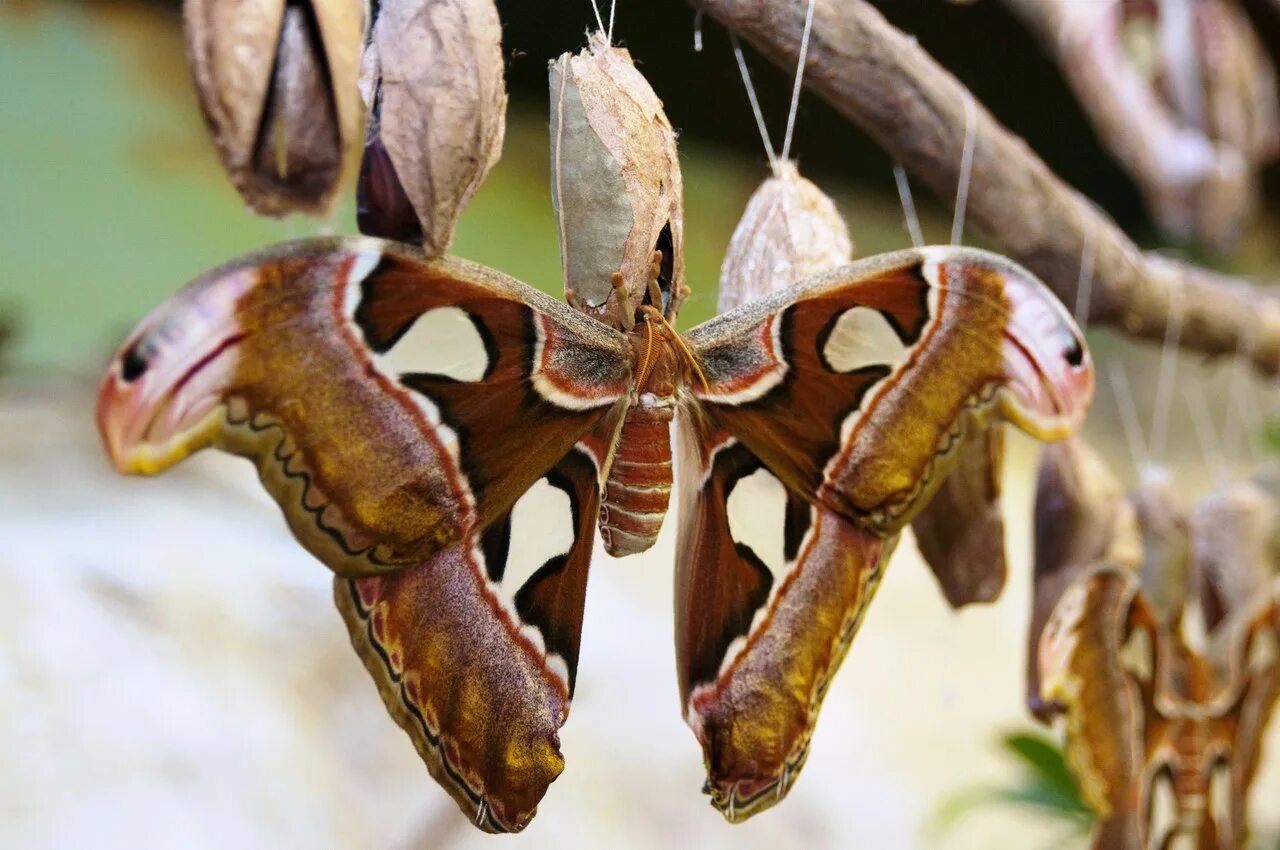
(276, 82)
(1082, 518)
(615, 184)
(790, 230)
(435, 99)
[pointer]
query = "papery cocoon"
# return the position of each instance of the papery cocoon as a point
(615, 182)
(276, 82)
(432, 82)
(790, 230)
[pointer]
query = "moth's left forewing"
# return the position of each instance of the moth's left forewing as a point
(769, 593)
(391, 401)
(475, 651)
(857, 387)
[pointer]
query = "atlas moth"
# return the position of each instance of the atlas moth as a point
(447, 439)
(1163, 738)
(790, 231)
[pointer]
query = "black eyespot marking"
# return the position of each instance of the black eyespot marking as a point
(1074, 350)
(134, 362)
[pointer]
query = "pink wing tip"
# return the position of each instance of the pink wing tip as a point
(163, 392)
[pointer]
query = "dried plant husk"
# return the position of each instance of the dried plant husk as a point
(790, 230)
(432, 83)
(615, 184)
(276, 81)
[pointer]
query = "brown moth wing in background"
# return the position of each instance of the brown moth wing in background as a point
(615, 184)
(1233, 534)
(1091, 673)
(480, 676)
(759, 634)
(284, 356)
(1259, 660)
(277, 85)
(855, 387)
(1082, 518)
(432, 83)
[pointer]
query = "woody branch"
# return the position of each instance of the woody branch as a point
(879, 78)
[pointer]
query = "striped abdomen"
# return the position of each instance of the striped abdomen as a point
(639, 485)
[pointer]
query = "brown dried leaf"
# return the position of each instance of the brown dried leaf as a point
(615, 184)
(432, 82)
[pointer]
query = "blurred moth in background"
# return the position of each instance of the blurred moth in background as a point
(1163, 737)
(435, 99)
(276, 81)
(1182, 92)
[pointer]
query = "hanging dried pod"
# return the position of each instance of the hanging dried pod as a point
(436, 103)
(276, 80)
(615, 185)
(960, 532)
(790, 230)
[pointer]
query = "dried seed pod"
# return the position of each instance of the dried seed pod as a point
(615, 184)
(789, 231)
(276, 80)
(436, 101)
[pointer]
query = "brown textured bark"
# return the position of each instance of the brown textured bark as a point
(880, 79)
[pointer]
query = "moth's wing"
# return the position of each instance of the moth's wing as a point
(475, 651)
(1101, 662)
(856, 387)
(1255, 643)
(1082, 518)
(770, 590)
(960, 532)
(391, 402)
